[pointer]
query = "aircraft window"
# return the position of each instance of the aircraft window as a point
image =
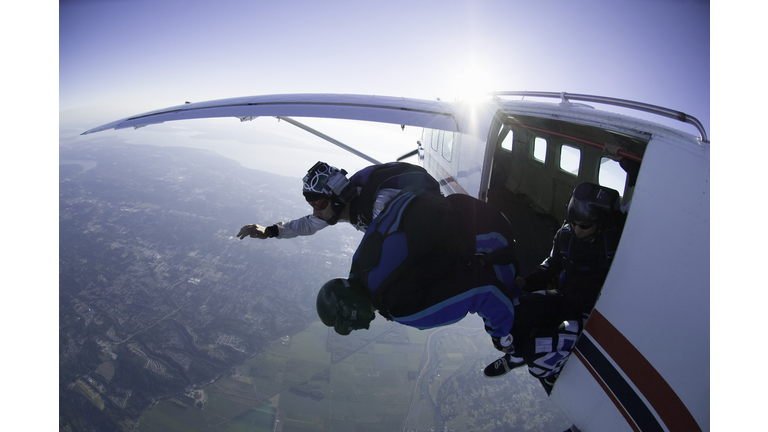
(540, 149)
(612, 175)
(435, 140)
(570, 157)
(431, 138)
(426, 137)
(447, 145)
(508, 140)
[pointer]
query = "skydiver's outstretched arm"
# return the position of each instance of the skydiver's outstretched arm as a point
(304, 226)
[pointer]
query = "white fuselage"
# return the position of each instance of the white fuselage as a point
(643, 361)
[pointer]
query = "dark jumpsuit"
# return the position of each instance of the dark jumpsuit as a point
(561, 294)
(419, 262)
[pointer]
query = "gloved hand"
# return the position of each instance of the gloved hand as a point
(253, 231)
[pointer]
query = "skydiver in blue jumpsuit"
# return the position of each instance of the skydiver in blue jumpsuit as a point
(426, 261)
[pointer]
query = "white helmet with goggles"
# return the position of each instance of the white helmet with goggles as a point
(325, 181)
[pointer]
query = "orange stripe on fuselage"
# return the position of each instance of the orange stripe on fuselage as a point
(643, 375)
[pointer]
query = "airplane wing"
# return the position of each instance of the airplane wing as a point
(384, 109)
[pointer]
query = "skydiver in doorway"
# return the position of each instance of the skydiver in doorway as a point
(563, 290)
(541, 317)
(357, 200)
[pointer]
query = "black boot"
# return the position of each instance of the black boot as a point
(503, 365)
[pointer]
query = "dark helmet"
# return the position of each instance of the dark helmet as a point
(343, 305)
(593, 203)
(325, 181)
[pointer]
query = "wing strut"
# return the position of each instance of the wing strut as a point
(329, 139)
(409, 154)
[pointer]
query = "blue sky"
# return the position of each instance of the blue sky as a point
(160, 52)
(118, 58)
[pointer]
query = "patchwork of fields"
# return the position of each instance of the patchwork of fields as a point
(320, 381)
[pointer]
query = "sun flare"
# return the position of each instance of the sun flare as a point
(472, 85)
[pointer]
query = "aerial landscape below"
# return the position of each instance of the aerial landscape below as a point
(162, 307)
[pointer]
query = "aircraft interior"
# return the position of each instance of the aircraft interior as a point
(536, 165)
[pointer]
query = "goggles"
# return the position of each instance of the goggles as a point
(320, 204)
(584, 226)
(349, 316)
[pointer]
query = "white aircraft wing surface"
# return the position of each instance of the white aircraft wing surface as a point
(383, 109)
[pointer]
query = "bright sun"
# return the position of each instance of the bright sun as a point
(472, 85)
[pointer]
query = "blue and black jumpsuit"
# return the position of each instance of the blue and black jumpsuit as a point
(428, 260)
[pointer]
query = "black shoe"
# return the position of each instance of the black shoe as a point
(503, 365)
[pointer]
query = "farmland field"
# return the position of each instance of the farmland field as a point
(370, 380)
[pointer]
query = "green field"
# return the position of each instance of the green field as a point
(367, 387)
(170, 416)
(320, 381)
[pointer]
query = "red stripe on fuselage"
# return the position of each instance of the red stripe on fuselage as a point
(607, 391)
(449, 180)
(641, 372)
